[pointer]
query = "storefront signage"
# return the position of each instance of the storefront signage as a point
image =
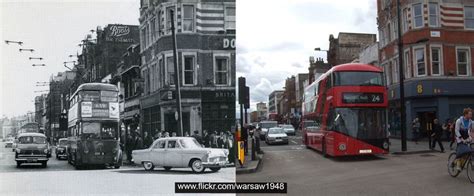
(86, 109)
(352, 98)
(119, 33)
(113, 110)
(228, 43)
(419, 88)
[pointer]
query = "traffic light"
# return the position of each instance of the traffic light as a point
(241, 89)
(246, 97)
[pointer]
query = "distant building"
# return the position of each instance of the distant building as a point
(254, 117)
(299, 92)
(316, 68)
(273, 100)
(40, 110)
(370, 55)
(57, 103)
(262, 111)
(347, 46)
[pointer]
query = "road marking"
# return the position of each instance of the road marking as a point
(293, 142)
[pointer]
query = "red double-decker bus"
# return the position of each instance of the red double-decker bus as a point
(347, 110)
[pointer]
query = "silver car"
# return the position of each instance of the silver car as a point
(289, 129)
(180, 152)
(264, 126)
(276, 135)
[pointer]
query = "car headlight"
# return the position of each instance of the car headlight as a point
(385, 145)
(18, 150)
(46, 151)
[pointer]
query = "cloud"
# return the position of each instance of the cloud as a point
(259, 61)
(243, 66)
(283, 46)
(297, 65)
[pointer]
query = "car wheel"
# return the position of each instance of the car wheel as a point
(196, 166)
(167, 168)
(148, 166)
(44, 164)
(215, 169)
(18, 164)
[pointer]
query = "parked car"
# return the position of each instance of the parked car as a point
(276, 135)
(32, 148)
(264, 126)
(9, 142)
(61, 149)
(289, 129)
(15, 143)
(180, 152)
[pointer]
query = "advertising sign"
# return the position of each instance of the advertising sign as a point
(86, 109)
(100, 109)
(113, 110)
(72, 114)
(121, 33)
(362, 98)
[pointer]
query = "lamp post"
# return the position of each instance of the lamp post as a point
(177, 82)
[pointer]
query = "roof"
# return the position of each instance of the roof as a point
(31, 134)
(97, 86)
(356, 67)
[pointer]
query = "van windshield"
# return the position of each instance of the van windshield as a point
(32, 140)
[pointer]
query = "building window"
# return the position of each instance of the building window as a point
(420, 62)
(230, 18)
(142, 39)
(434, 15)
(389, 34)
(221, 73)
(395, 71)
(161, 72)
(418, 15)
(152, 78)
(168, 19)
(462, 62)
(153, 30)
(170, 70)
(405, 20)
(188, 69)
(407, 64)
(469, 17)
(188, 18)
(389, 75)
(436, 61)
(382, 37)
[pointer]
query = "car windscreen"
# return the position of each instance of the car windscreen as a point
(62, 142)
(276, 131)
(190, 143)
(287, 126)
(268, 124)
(32, 140)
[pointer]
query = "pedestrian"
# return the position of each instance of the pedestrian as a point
(245, 137)
(220, 140)
(213, 139)
(463, 129)
(206, 139)
(416, 129)
(138, 141)
(437, 135)
(157, 135)
(173, 134)
(197, 137)
(147, 141)
(452, 134)
(167, 134)
(129, 147)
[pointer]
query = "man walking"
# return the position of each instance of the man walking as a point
(148, 140)
(416, 129)
(437, 134)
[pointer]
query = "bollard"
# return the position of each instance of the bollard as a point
(254, 157)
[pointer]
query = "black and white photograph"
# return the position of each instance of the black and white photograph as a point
(116, 97)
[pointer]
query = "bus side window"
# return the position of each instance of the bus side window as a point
(330, 119)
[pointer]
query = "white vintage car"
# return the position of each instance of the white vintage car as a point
(180, 152)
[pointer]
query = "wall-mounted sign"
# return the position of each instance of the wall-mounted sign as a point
(419, 89)
(435, 33)
(121, 33)
(72, 114)
(117, 31)
(86, 109)
(228, 43)
(352, 98)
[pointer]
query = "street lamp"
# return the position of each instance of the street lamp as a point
(15, 42)
(26, 49)
(66, 62)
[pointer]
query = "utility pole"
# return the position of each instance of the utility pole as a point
(402, 81)
(176, 77)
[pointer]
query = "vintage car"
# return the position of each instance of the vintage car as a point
(276, 135)
(9, 142)
(32, 148)
(180, 152)
(61, 149)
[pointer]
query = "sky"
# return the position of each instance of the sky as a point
(275, 38)
(53, 28)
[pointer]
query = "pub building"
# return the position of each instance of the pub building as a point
(205, 32)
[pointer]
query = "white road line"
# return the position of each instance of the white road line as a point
(294, 142)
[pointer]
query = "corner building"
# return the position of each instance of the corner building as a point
(438, 46)
(205, 31)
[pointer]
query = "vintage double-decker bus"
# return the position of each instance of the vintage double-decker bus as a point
(347, 110)
(31, 127)
(93, 126)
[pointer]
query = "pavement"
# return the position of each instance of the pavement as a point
(249, 165)
(60, 178)
(413, 147)
(307, 172)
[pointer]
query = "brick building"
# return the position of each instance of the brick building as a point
(316, 68)
(299, 92)
(437, 38)
(57, 103)
(206, 58)
(288, 101)
(347, 46)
